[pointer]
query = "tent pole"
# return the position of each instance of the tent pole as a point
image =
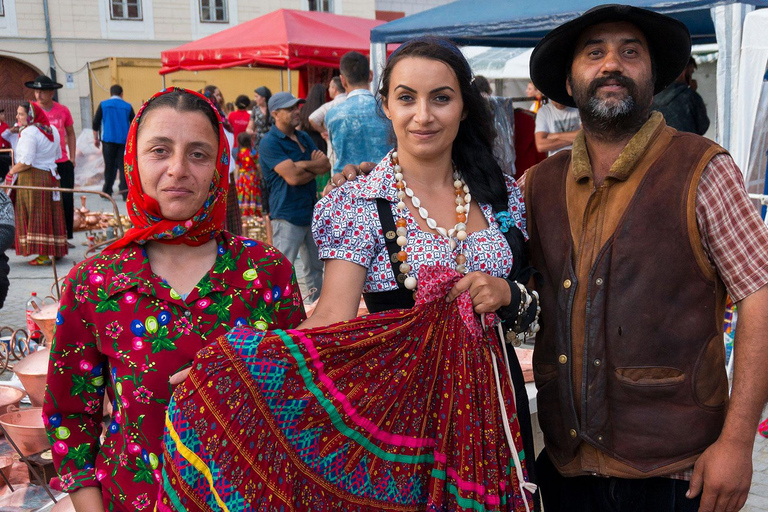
(377, 61)
(290, 87)
(163, 81)
(282, 87)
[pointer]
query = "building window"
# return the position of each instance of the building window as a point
(2, 8)
(320, 5)
(214, 11)
(125, 9)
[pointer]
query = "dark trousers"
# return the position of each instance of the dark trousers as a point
(598, 494)
(5, 165)
(113, 163)
(67, 173)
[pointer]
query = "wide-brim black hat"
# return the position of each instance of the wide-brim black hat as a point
(668, 39)
(43, 82)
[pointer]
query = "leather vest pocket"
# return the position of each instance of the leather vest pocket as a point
(544, 372)
(650, 375)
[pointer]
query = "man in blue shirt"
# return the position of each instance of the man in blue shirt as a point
(112, 119)
(290, 161)
(358, 118)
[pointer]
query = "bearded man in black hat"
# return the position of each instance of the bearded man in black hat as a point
(61, 118)
(639, 232)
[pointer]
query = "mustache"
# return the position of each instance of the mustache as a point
(622, 80)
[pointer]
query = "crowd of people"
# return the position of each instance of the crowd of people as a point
(616, 253)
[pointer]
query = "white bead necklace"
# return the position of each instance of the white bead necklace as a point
(463, 200)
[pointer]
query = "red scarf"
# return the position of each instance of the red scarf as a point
(148, 222)
(36, 117)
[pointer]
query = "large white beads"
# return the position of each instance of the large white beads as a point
(410, 283)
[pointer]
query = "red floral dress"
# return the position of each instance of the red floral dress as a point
(121, 330)
(248, 181)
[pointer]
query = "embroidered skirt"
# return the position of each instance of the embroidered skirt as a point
(40, 227)
(400, 410)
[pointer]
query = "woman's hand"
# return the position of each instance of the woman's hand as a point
(488, 293)
(179, 377)
(87, 499)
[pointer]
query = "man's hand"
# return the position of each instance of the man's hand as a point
(488, 293)
(724, 472)
(350, 172)
(97, 143)
(317, 154)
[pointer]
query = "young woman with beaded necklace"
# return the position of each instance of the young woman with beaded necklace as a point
(443, 128)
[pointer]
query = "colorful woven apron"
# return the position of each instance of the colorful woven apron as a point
(394, 411)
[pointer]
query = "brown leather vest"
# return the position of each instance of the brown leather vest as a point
(653, 389)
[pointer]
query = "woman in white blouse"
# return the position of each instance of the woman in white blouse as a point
(40, 225)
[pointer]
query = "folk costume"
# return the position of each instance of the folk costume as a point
(406, 409)
(40, 227)
(123, 331)
(248, 181)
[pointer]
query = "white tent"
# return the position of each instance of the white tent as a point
(499, 63)
(750, 127)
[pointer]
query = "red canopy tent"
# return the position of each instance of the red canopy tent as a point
(284, 38)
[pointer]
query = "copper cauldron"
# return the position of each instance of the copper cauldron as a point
(26, 429)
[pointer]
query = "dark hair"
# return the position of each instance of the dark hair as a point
(482, 84)
(473, 147)
(115, 90)
(182, 101)
(26, 106)
(337, 83)
(264, 92)
(354, 67)
(244, 140)
(315, 99)
(242, 102)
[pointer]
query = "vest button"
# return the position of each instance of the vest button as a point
(599, 281)
(567, 284)
(597, 362)
(600, 438)
(573, 433)
(563, 358)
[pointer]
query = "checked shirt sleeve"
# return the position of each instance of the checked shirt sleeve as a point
(72, 411)
(732, 232)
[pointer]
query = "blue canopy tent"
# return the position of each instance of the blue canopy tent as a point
(517, 23)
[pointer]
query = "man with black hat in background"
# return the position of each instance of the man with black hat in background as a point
(60, 117)
(638, 232)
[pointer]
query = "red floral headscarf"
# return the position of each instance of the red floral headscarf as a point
(36, 117)
(148, 222)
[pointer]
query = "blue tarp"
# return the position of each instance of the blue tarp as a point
(522, 23)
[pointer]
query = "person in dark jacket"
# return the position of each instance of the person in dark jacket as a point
(7, 234)
(681, 105)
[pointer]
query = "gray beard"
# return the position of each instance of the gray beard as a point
(602, 111)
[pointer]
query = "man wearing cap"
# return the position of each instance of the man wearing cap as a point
(290, 161)
(639, 232)
(60, 117)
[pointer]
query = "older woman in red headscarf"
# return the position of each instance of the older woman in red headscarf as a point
(138, 312)
(39, 214)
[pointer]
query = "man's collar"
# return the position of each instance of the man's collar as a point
(581, 166)
(359, 92)
(280, 133)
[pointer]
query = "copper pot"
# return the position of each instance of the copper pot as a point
(26, 429)
(10, 397)
(32, 372)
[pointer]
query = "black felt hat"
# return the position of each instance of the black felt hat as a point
(43, 82)
(669, 42)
